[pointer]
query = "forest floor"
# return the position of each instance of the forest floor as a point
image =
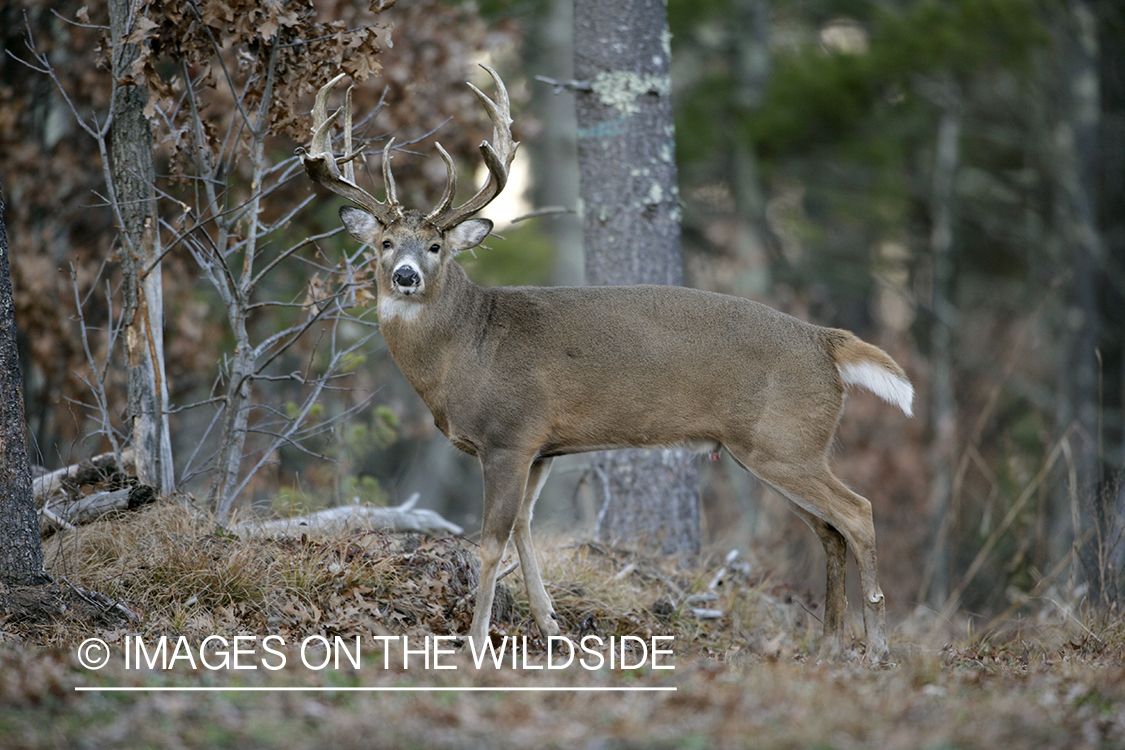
(348, 642)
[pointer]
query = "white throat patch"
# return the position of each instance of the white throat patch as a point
(394, 307)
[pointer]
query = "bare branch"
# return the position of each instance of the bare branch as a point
(570, 85)
(285, 254)
(97, 388)
(69, 22)
(545, 211)
(44, 66)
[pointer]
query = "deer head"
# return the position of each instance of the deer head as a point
(413, 249)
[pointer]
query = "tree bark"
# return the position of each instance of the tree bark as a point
(134, 177)
(21, 552)
(631, 230)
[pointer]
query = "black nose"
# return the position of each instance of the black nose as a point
(406, 276)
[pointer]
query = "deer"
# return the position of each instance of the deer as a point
(517, 376)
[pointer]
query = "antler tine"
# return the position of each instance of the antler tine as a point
(322, 123)
(450, 185)
(497, 157)
(388, 178)
(322, 165)
(349, 163)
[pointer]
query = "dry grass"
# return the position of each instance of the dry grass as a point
(742, 680)
(182, 575)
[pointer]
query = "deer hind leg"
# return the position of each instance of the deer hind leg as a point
(835, 599)
(823, 495)
(810, 486)
(505, 483)
(851, 514)
(541, 608)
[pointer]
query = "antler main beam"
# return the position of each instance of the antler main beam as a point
(497, 155)
(322, 165)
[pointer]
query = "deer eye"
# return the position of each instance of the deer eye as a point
(434, 248)
(387, 244)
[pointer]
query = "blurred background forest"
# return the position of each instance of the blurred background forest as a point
(947, 179)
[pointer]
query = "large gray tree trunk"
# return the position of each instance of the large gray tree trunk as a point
(631, 229)
(21, 553)
(134, 177)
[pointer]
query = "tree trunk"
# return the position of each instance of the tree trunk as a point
(553, 152)
(134, 176)
(631, 229)
(943, 402)
(751, 66)
(1080, 525)
(21, 552)
(1111, 282)
(236, 418)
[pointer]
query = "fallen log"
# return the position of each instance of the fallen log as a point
(66, 514)
(401, 518)
(93, 470)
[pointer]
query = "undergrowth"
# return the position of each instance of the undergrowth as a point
(180, 574)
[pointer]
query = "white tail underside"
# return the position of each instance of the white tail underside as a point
(884, 384)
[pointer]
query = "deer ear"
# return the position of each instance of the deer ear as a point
(361, 225)
(467, 234)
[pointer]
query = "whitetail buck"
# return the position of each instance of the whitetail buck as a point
(518, 376)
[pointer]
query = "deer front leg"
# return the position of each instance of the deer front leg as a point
(541, 608)
(835, 601)
(505, 482)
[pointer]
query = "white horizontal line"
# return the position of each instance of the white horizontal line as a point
(291, 689)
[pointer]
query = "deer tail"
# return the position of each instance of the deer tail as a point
(869, 367)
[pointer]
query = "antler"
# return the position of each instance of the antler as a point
(323, 167)
(498, 159)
